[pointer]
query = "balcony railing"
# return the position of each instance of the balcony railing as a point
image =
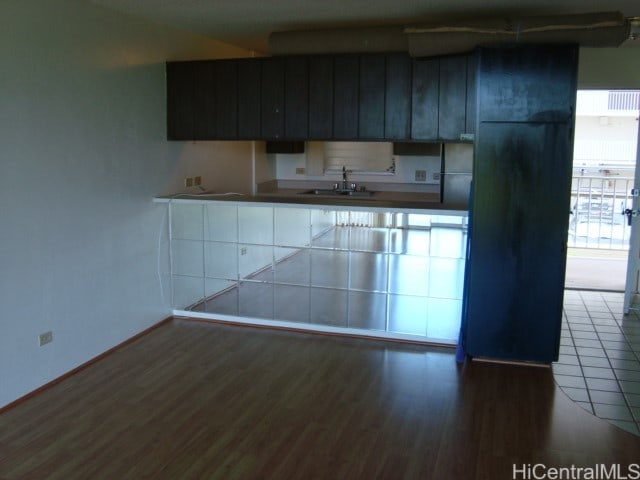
(596, 218)
(624, 100)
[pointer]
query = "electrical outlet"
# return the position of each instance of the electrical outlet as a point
(44, 338)
(436, 176)
(197, 181)
(300, 171)
(243, 251)
(421, 176)
(188, 182)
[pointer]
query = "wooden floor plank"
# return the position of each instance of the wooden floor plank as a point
(198, 400)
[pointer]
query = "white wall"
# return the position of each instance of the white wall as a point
(224, 167)
(264, 164)
(82, 153)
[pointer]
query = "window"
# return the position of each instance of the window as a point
(362, 157)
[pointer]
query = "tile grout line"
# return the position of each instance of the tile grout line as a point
(578, 360)
(597, 334)
(635, 353)
(582, 302)
(605, 350)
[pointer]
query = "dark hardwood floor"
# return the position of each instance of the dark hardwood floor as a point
(200, 400)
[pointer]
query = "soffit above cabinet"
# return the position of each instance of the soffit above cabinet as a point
(247, 24)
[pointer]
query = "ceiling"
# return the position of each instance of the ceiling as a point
(248, 23)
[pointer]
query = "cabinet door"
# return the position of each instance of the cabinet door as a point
(296, 101)
(372, 96)
(518, 238)
(226, 112)
(397, 117)
(249, 98)
(453, 97)
(272, 92)
(204, 94)
(345, 98)
(424, 99)
(180, 101)
(320, 97)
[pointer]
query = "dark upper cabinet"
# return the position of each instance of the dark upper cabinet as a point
(424, 99)
(272, 98)
(345, 96)
(226, 99)
(443, 98)
(397, 113)
(371, 100)
(180, 101)
(249, 73)
(215, 100)
(321, 97)
(204, 100)
(296, 100)
(286, 146)
(452, 103)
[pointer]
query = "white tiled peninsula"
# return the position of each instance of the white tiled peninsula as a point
(352, 269)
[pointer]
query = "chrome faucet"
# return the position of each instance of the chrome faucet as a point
(346, 187)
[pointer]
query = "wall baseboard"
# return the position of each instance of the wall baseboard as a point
(81, 367)
(511, 362)
(310, 328)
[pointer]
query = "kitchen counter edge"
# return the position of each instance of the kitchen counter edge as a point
(295, 199)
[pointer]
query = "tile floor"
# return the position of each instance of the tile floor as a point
(599, 363)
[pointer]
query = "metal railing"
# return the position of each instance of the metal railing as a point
(596, 219)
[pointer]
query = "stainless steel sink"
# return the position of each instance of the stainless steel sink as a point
(338, 192)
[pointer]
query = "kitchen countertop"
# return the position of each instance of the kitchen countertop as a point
(417, 200)
(384, 200)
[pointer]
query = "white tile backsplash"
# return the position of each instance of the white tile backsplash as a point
(186, 221)
(292, 227)
(255, 225)
(221, 223)
(187, 257)
(221, 260)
